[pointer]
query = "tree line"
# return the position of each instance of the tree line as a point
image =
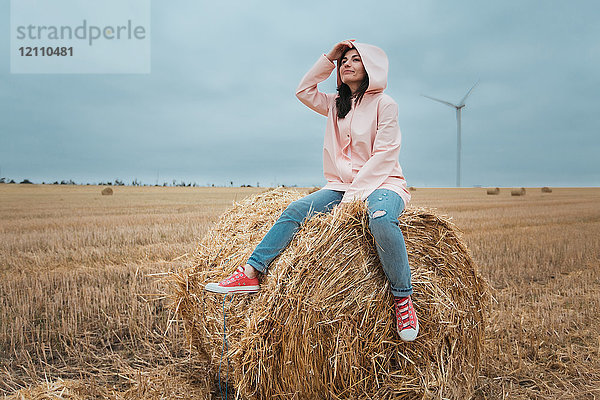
(119, 182)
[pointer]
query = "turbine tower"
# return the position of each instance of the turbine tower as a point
(458, 107)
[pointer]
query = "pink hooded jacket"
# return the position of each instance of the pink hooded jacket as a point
(360, 151)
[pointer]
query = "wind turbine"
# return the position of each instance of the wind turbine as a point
(458, 107)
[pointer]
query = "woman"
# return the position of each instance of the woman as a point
(360, 161)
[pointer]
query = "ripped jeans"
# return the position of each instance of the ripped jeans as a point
(385, 206)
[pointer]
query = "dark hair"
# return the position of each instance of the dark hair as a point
(343, 102)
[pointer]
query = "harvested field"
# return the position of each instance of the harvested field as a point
(75, 269)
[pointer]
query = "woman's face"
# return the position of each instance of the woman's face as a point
(352, 70)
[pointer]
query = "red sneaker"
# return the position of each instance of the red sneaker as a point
(407, 323)
(236, 283)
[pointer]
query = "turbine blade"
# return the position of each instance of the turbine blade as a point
(441, 101)
(462, 102)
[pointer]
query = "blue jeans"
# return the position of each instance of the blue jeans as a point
(385, 206)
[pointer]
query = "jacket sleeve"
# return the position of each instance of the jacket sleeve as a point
(307, 91)
(386, 150)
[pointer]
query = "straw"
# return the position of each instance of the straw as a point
(323, 326)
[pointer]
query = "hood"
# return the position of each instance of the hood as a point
(376, 65)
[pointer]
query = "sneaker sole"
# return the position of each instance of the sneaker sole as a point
(412, 337)
(215, 288)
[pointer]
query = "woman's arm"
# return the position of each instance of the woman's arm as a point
(386, 150)
(307, 91)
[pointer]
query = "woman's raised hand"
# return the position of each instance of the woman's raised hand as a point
(338, 49)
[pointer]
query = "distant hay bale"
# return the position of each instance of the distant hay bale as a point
(493, 191)
(412, 188)
(546, 189)
(323, 324)
(518, 192)
(314, 189)
(107, 191)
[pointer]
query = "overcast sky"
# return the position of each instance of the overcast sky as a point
(219, 103)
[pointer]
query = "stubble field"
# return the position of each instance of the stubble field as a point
(82, 310)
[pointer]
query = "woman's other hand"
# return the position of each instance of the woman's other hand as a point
(338, 49)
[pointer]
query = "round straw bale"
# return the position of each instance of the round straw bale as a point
(107, 191)
(412, 188)
(546, 189)
(518, 192)
(493, 191)
(323, 325)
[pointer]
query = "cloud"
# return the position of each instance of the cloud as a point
(219, 104)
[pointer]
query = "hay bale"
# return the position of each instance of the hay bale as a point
(546, 189)
(518, 192)
(493, 191)
(107, 191)
(323, 324)
(412, 188)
